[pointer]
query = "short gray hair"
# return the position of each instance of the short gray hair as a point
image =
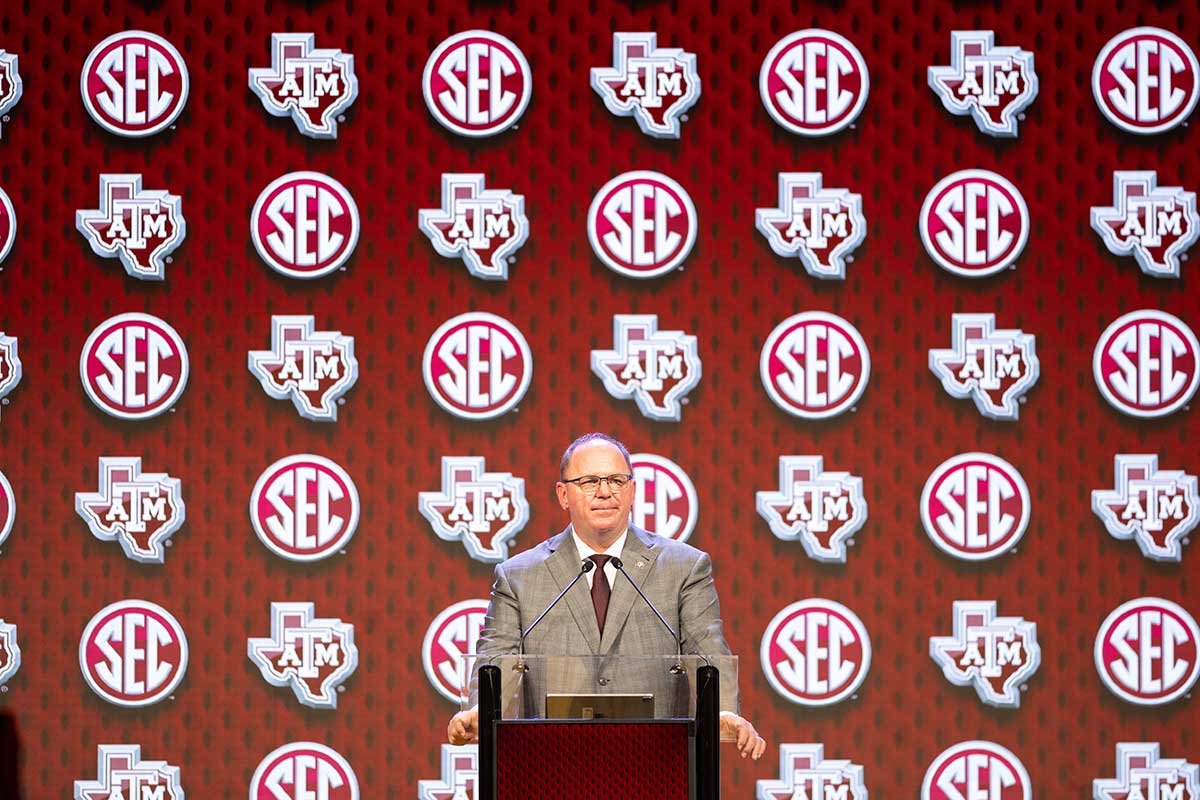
(585, 439)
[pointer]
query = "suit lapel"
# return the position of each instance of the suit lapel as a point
(563, 564)
(638, 557)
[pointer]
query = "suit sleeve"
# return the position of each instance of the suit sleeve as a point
(501, 634)
(700, 624)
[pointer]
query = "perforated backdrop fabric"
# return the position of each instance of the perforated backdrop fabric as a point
(1066, 574)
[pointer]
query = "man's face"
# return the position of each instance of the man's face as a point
(604, 512)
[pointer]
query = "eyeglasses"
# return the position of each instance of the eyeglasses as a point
(590, 484)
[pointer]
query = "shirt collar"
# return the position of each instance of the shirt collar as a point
(614, 549)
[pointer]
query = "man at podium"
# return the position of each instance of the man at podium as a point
(603, 614)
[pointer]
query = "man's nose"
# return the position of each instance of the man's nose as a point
(603, 490)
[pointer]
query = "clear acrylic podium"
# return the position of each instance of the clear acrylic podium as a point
(600, 726)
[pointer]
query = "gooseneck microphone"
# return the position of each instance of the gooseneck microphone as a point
(584, 569)
(616, 562)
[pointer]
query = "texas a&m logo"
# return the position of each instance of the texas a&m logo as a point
(477, 83)
(977, 770)
(994, 367)
(994, 654)
(8, 225)
(8, 508)
(121, 773)
(658, 369)
(815, 652)
(1146, 80)
(134, 366)
(139, 227)
(1155, 507)
(10, 84)
(304, 225)
(134, 83)
(484, 510)
(10, 369)
(1143, 774)
(1147, 651)
(483, 227)
(974, 223)
(312, 85)
(992, 84)
(805, 773)
(304, 508)
(133, 653)
(449, 642)
(975, 506)
(654, 85)
(10, 652)
(304, 771)
(642, 224)
(139, 510)
(820, 226)
(312, 368)
(814, 365)
(1147, 363)
(313, 656)
(477, 365)
(820, 509)
(664, 499)
(1154, 224)
(814, 82)
(460, 775)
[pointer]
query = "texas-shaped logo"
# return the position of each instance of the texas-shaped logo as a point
(138, 227)
(484, 510)
(1142, 774)
(1157, 508)
(820, 226)
(10, 84)
(656, 368)
(992, 84)
(460, 775)
(805, 773)
(483, 227)
(121, 774)
(994, 367)
(10, 652)
(10, 366)
(996, 655)
(313, 85)
(1154, 224)
(654, 85)
(312, 368)
(138, 510)
(820, 509)
(312, 656)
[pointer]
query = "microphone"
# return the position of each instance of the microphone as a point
(678, 668)
(586, 567)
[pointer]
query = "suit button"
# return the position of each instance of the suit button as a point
(604, 681)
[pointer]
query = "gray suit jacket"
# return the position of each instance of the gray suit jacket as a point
(675, 576)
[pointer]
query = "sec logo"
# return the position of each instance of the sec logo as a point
(1147, 651)
(134, 366)
(814, 82)
(303, 771)
(8, 225)
(304, 508)
(1145, 80)
(477, 365)
(133, 653)
(304, 225)
(814, 365)
(8, 508)
(642, 224)
(134, 83)
(449, 642)
(976, 770)
(664, 499)
(815, 652)
(974, 223)
(477, 83)
(975, 506)
(1147, 363)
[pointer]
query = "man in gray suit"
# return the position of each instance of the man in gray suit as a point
(602, 614)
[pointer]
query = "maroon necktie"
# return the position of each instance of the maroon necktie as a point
(601, 591)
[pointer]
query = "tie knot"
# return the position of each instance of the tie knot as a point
(599, 560)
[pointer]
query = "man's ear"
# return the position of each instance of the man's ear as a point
(561, 490)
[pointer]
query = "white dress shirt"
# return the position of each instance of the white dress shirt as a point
(614, 549)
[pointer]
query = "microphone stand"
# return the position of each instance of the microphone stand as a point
(678, 669)
(586, 567)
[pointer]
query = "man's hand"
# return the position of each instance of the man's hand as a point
(464, 727)
(749, 743)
